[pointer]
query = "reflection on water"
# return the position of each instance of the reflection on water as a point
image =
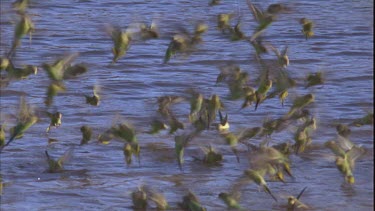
(97, 176)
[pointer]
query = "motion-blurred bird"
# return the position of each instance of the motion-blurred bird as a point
(270, 126)
(191, 203)
(55, 120)
(223, 21)
(25, 119)
(282, 57)
(57, 166)
(196, 102)
(223, 124)
(232, 139)
(181, 142)
(148, 32)
(295, 203)
(174, 124)
(263, 18)
(121, 42)
(2, 135)
(307, 27)
(105, 137)
(276, 8)
(343, 130)
(74, 70)
(285, 148)
(184, 41)
(128, 153)
(259, 47)
(23, 27)
(156, 126)
(211, 157)
(228, 73)
(20, 73)
(258, 177)
(229, 200)
(178, 43)
(237, 33)
(347, 154)
(282, 96)
(199, 29)
(86, 134)
(20, 6)
(214, 2)
(300, 103)
(368, 119)
(139, 199)
(272, 161)
(283, 82)
(314, 79)
(302, 137)
(126, 132)
(158, 198)
(164, 103)
(4, 63)
(95, 98)
(250, 97)
(53, 89)
(260, 93)
(57, 70)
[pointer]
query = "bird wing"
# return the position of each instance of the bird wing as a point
(257, 13)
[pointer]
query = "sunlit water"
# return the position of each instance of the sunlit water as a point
(97, 176)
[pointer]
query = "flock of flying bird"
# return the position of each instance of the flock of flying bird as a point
(266, 162)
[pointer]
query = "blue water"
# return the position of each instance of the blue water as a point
(97, 176)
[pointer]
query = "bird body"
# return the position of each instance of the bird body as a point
(53, 89)
(191, 203)
(121, 42)
(282, 96)
(158, 198)
(56, 70)
(178, 43)
(2, 135)
(157, 126)
(86, 134)
(139, 198)
(257, 177)
(264, 19)
(196, 102)
(346, 155)
(223, 20)
(25, 119)
(229, 200)
(294, 202)
(23, 27)
(211, 156)
(55, 120)
(314, 79)
(301, 102)
(95, 98)
(368, 119)
(260, 93)
(179, 149)
(181, 142)
(21, 73)
(223, 124)
(307, 27)
(148, 32)
(282, 57)
(56, 166)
